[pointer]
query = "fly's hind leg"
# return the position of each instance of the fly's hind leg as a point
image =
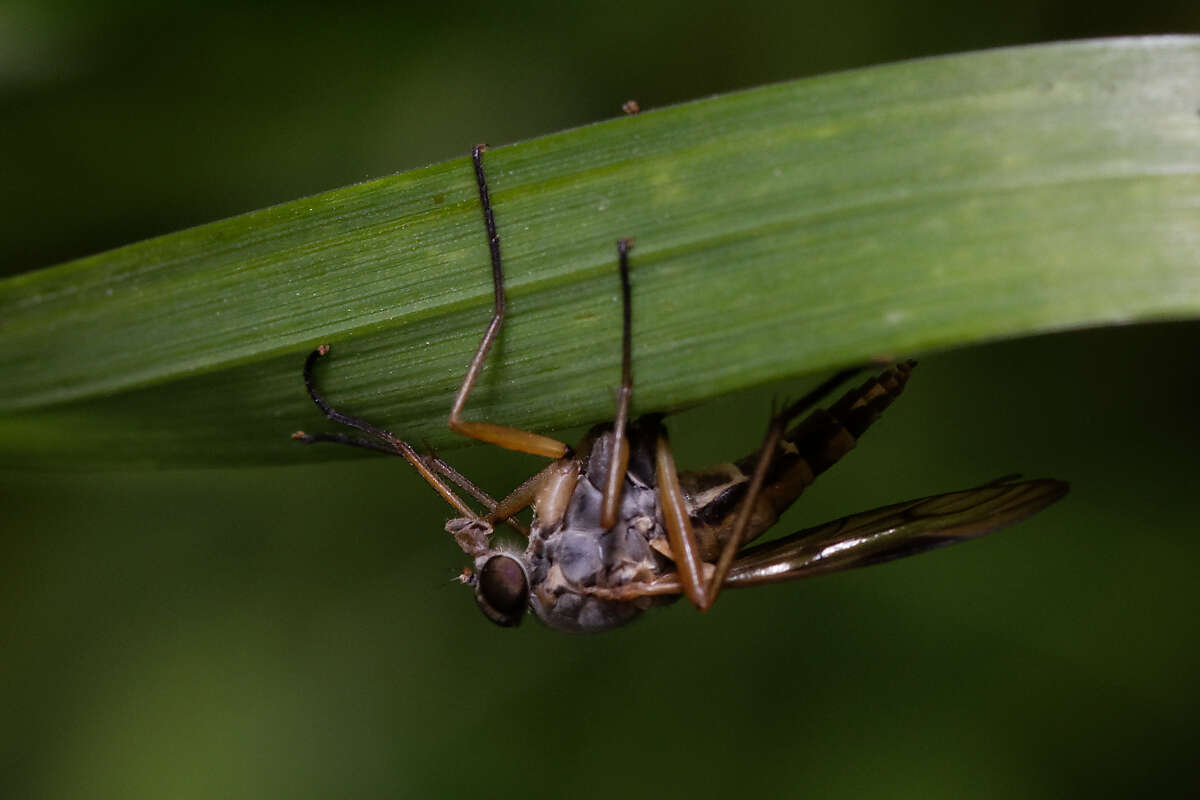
(775, 432)
(702, 591)
(501, 435)
(684, 547)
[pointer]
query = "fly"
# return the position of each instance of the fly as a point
(617, 529)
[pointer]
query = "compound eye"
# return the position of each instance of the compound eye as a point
(502, 590)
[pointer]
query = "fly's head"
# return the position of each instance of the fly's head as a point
(500, 578)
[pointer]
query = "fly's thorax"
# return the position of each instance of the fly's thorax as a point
(571, 556)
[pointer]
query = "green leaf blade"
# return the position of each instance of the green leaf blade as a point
(780, 231)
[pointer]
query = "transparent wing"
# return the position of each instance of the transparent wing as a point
(873, 537)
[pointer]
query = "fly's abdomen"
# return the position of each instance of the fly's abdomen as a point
(824, 436)
(860, 407)
(808, 448)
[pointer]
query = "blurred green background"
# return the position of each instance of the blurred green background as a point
(295, 632)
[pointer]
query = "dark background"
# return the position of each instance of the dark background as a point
(295, 632)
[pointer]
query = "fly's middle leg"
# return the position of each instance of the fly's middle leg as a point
(614, 479)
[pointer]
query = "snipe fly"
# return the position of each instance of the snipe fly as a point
(617, 529)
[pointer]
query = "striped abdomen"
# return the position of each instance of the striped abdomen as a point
(810, 447)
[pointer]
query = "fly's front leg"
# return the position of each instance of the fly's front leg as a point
(551, 489)
(468, 486)
(501, 435)
(384, 440)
